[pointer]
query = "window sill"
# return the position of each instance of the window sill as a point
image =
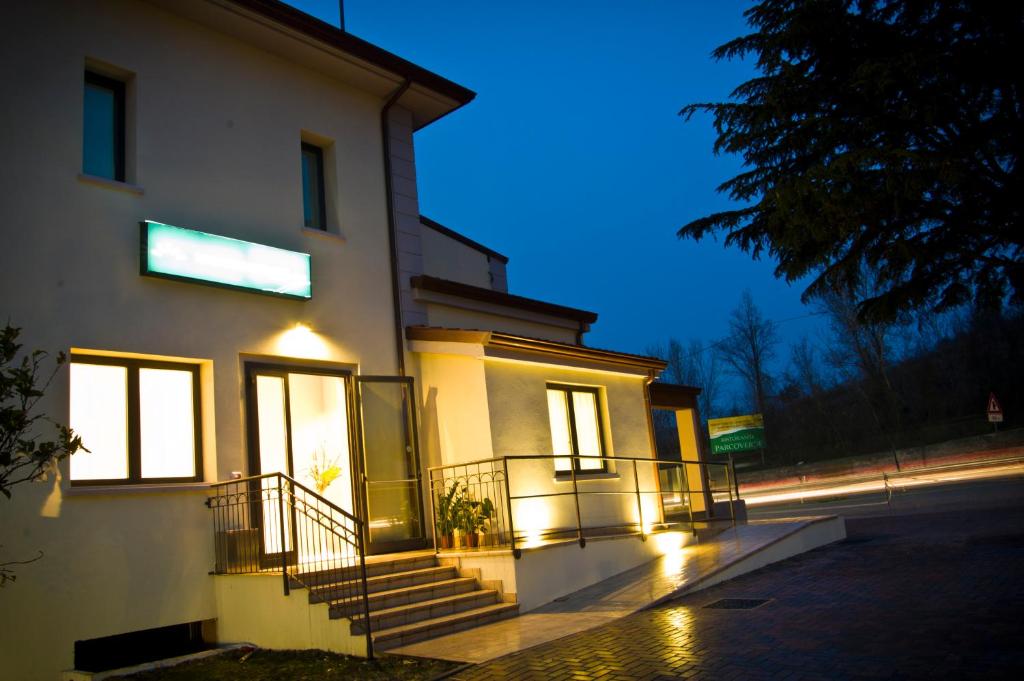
(111, 184)
(107, 490)
(603, 475)
(323, 234)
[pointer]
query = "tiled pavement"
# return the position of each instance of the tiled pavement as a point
(912, 597)
(621, 595)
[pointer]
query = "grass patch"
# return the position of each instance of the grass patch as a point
(296, 665)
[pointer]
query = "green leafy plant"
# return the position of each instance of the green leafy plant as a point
(473, 518)
(458, 510)
(476, 515)
(449, 509)
(25, 454)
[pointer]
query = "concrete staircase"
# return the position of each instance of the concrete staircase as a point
(412, 598)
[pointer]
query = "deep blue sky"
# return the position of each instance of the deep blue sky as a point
(573, 161)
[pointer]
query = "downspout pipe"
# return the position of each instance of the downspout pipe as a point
(649, 408)
(396, 293)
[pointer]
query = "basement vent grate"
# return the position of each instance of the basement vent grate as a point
(736, 603)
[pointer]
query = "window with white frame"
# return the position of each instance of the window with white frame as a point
(139, 419)
(577, 437)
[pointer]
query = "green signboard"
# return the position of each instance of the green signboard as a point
(190, 255)
(736, 434)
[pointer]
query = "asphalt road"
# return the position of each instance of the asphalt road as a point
(952, 495)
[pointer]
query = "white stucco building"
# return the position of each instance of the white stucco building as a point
(211, 206)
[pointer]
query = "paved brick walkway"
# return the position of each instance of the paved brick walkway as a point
(912, 597)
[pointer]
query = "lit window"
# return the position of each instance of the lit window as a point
(313, 203)
(103, 127)
(575, 428)
(99, 402)
(139, 419)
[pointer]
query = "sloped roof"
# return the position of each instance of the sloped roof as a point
(486, 295)
(506, 341)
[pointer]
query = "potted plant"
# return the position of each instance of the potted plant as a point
(449, 513)
(475, 518)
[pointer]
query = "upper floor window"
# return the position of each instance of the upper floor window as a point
(576, 431)
(139, 420)
(314, 207)
(103, 127)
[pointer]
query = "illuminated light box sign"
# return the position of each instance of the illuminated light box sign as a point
(190, 255)
(736, 434)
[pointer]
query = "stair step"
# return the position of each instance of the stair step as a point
(388, 618)
(439, 626)
(386, 582)
(374, 568)
(382, 600)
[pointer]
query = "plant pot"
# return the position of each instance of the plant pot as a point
(447, 541)
(472, 540)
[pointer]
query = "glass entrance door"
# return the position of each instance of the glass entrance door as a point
(390, 460)
(298, 425)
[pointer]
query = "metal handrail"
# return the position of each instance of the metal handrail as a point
(295, 483)
(474, 481)
(641, 459)
(289, 525)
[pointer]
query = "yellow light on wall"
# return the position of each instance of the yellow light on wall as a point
(302, 341)
(532, 517)
(672, 546)
(651, 512)
(668, 542)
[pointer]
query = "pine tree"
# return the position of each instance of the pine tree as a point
(881, 136)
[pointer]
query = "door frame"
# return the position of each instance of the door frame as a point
(422, 541)
(251, 371)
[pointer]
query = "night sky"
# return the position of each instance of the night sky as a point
(572, 159)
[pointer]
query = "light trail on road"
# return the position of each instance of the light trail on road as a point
(839, 488)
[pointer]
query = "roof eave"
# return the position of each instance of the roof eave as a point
(462, 238)
(430, 96)
(508, 342)
(455, 288)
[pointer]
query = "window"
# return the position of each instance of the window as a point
(575, 428)
(138, 418)
(103, 127)
(313, 204)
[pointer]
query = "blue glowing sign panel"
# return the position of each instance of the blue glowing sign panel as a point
(190, 255)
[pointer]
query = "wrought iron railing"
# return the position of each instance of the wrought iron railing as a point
(469, 505)
(521, 501)
(272, 523)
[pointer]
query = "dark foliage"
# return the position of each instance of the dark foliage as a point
(25, 454)
(879, 134)
(749, 348)
(942, 393)
(299, 665)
